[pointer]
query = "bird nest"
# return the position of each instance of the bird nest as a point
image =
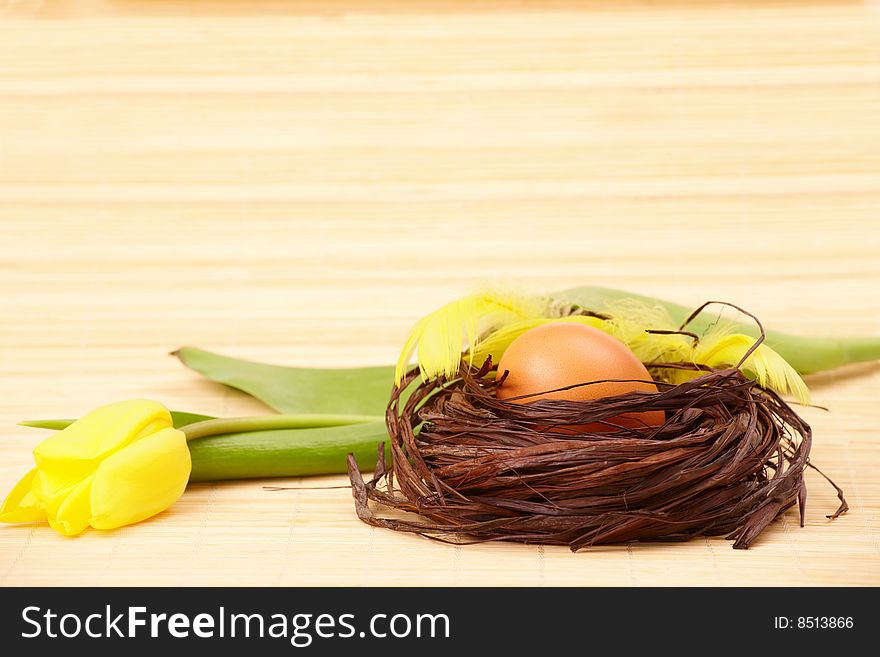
(729, 459)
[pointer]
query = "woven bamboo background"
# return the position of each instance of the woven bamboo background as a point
(297, 182)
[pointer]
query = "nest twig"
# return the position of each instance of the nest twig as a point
(729, 459)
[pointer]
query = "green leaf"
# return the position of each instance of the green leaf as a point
(180, 419)
(285, 452)
(355, 391)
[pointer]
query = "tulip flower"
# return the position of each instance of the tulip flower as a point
(115, 466)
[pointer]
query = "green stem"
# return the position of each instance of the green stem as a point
(286, 452)
(221, 426)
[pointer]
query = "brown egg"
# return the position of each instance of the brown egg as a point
(561, 354)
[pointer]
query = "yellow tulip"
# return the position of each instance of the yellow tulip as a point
(117, 465)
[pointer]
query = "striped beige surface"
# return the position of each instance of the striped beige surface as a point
(297, 182)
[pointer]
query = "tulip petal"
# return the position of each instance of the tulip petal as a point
(73, 453)
(69, 510)
(21, 505)
(145, 478)
(105, 430)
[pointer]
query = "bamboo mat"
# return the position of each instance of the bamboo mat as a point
(298, 182)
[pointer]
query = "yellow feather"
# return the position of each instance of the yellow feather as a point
(717, 348)
(441, 336)
(486, 323)
(769, 369)
(628, 323)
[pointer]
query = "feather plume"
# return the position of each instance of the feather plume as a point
(629, 321)
(718, 347)
(484, 325)
(441, 336)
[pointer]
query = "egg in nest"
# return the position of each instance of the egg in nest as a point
(562, 354)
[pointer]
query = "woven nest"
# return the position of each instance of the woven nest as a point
(729, 459)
